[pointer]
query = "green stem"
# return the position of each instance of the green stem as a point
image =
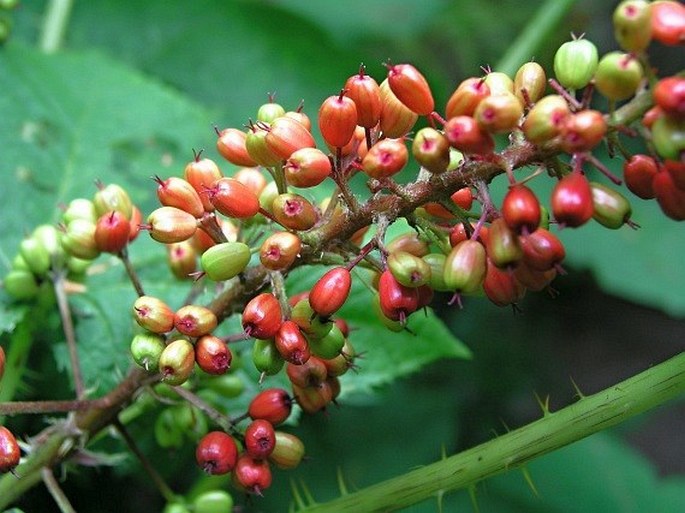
(55, 25)
(589, 415)
(537, 31)
(69, 334)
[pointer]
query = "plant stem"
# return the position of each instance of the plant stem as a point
(55, 25)
(57, 494)
(130, 270)
(215, 415)
(161, 485)
(69, 334)
(589, 415)
(34, 407)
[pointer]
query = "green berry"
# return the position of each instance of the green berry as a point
(575, 63)
(20, 284)
(214, 501)
(225, 261)
(146, 348)
(36, 256)
(618, 75)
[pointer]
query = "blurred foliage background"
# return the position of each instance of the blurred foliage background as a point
(137, 85)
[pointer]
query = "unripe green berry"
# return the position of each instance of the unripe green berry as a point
(311, 324)
(531, 77)
(408, 269)
(20, 284)
(668, 136)
(288, 452)
(546, 119)
(633, 25)
(225, 261)
(269, 111)
(36, 256)
(214, 501)
(431, 149)
(167, 432)
(618, 75)
(146, 349)
(50, 237)
(79, 239)
(465, 266)
(80, 208)
(575, 63)
(153, 314)
(436, 261)
(610, 207)
(328, 346)
(177, 361)
(266, 357)
(112, 197)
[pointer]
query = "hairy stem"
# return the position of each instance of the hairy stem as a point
(589, 415)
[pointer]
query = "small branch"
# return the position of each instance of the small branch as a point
(38, 407)
(53, 487)
(130, 270)
(55, 25)
(68, 327)
(161, 485)
(215, 415)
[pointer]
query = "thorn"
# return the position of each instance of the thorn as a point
(341, 482)
(544, 405)
(473, 495)
(579, 394)
(440, 496)
(529, 480)
(307, 493)
(299, 501)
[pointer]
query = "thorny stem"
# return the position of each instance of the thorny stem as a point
(161, 485)
(132, 274)
(649, 389)
(56, 492)
(69, 333)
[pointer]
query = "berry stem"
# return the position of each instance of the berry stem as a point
(210, 225)
(223, 421)
(69, 333)
(55, 25)
(589, 415)
(55, 491)
(161, 485)
(130, 270)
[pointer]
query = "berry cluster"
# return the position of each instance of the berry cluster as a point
(247, 232)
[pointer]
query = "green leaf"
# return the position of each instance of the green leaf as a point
(11, 315)
(74, 117)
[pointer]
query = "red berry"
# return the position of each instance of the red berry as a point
(582, 131)
(366, 94)
(385, 158)
(252, 475)
(195, 320)
(262, 316)
(231, 145)
(309, 374)
(177, 192)
(232, 198)
(286, 135)
(521, 209)
(465, 135)
(338, 119)
(294, 211)
(501, 286)
(397, 302)
(182, 259)
(112, 232)
(212, 355)
(542, 250)
(260, 438)
(499, 113)
(272, 404)
(331, 291)
(431, 149)
(677, 172)
(153, 314)
(638, 173)
(668, 22)
(201, 174)
(396, 118)
(465, 267)
(670, 198)
(252, 178)
(216, 453)
(411, 88)
(669, 94)
(503, 246)
(466, 97)
(572, 200)
(279, 250)
(171, 224)
(307, 167)
(291, 343)
(10, 454)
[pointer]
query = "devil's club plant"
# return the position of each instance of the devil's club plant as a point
(250, 242)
